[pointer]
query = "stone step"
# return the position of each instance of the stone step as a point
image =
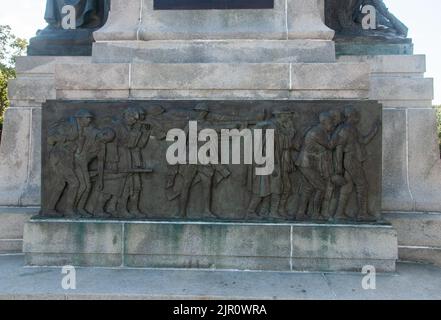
(411, 281)
(431, 255)
(416, 229)
(215, 245)
(12, 221)
(218, 51)
(209, 80)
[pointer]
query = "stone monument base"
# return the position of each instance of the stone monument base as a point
(50, 42)
(12, 221)
(210, 245)
(372, 46)
(214, 51)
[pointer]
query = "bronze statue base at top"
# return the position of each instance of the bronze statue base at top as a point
(54, 40)
(388, 37)
(345, 17)
(59, 42)
(107, 160)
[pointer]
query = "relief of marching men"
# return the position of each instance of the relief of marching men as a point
(97, 168)
(76, 142)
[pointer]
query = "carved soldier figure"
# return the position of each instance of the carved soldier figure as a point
(351, 154)
(207, 175)
(315, 164)
(110, 184)
(94, 151)
(277, 187)
(62, 139)
(86, 143)
(140, 142)
(132, 137)
(329, 206)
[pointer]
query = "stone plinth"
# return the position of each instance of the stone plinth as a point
(248, 81)
(293, 31)
(214, 51)
(291, 19)
(12, 221)
(249, 246)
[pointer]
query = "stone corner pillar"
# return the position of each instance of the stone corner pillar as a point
(20, 148)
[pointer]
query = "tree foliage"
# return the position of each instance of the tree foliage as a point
(10, 47)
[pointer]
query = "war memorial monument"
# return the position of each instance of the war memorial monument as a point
(356, 176)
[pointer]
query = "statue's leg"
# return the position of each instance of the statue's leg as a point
(345, 193)
(275, 205)
(283, 211)
(253, 205)
(306, 192)
(361, 188)
(82, 184)
(136, 196)
(100, 205)
(57, 186)
(84, 199)
(122, 202)
(207, 192)
(72, 188)
(326, 207)
(189, 174)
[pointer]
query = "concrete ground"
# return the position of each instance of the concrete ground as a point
(411, 281)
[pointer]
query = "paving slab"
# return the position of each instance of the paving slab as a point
(411, 281)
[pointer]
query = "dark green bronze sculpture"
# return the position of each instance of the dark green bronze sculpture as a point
(108, 160)
(55, 40)
(87, 12)
(345, 17)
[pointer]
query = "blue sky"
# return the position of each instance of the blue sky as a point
(423, 17)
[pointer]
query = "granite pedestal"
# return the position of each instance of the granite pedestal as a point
(210, 245)
(294, 61)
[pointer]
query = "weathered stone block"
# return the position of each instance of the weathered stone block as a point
(15, 152)
(417, 229)
(256, 81)
(424, 160)
(92, 76)
(44, 65)
(11, 246)
(123, 21)
(292, 19)
(429, 255)
(329, 76)
(208, 245)
(60, 243)
(13, 219)
(401, 88)
(343, 241)
(396, 188)
(391, 65)
(251, 246)
(212, 51)
(210, 76)
(38, 88)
